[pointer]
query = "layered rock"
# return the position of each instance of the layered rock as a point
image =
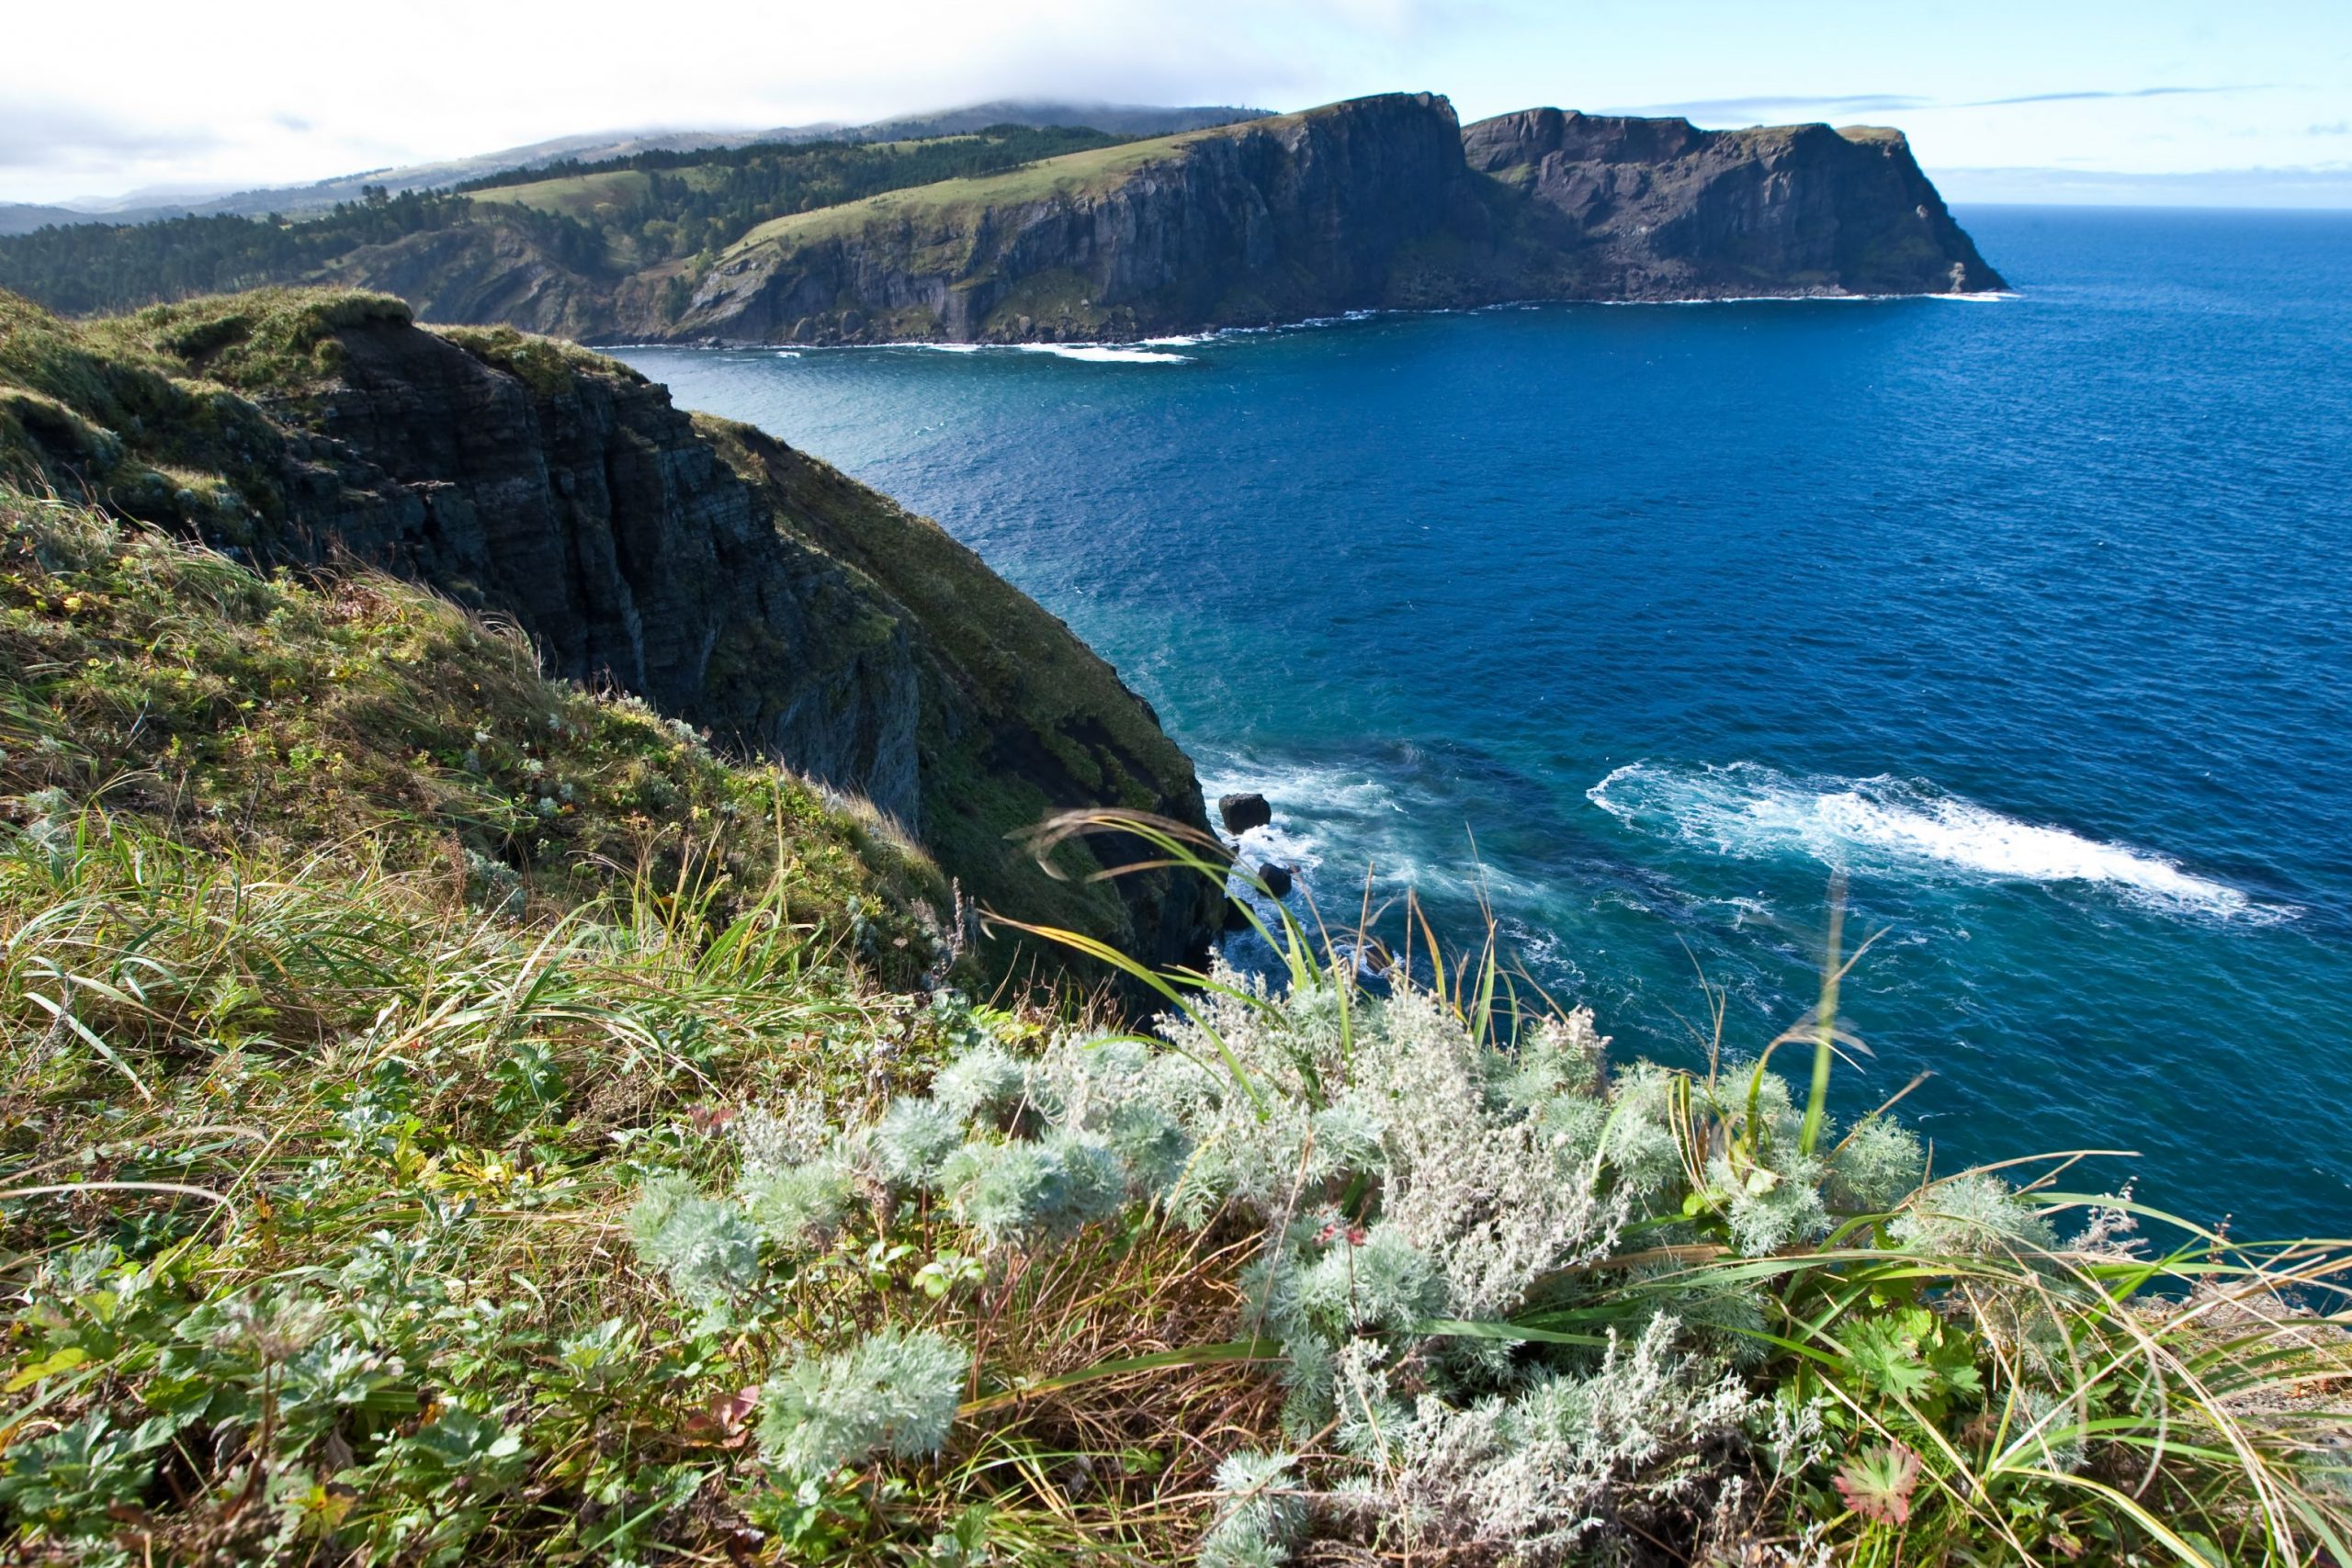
(733, 583)
(1635, 209)
(1242, 225)
(1377, 202)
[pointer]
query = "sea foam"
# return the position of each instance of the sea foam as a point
(1105, 354)
(1751, 812)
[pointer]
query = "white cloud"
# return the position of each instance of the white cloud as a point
(247, 91)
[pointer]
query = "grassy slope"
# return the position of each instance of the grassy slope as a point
(151, 405)
(950, 203)
(1035, 703)
(577, 196)
(365, 718)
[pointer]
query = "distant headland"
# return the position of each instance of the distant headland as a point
(1021, 232)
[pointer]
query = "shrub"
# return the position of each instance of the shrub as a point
(892, 1393)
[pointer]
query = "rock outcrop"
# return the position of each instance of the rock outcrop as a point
(733, 583)
(1375, 202)
(1247, 224)
(1633, 208)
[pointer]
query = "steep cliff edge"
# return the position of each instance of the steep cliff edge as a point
(1242, 225)
(733, 583)
(1658, 208)
(1375, 202)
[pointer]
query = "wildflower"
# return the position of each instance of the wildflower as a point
(1877, 1485)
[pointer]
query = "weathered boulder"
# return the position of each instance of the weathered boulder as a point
(1239, 813)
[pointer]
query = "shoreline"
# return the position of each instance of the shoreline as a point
(1207, 334)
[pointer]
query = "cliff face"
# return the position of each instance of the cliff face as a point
(1657, 209)
(1375, 202)
(1246, 224)
(732, 582)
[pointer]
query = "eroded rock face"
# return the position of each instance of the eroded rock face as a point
(1657, 209)
(1377, 202)
(748, 589)
(1245, 225)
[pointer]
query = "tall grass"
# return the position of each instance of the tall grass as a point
(349, 1222)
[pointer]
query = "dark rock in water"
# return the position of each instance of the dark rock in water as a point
(1237, 918)
(1276, 877)
(1242, 812)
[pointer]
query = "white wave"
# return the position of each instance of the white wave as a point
(1105, 354)
(1296, 787)
(1751, 812)
(1346, 820)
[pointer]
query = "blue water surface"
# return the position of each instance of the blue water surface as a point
(2028, 614)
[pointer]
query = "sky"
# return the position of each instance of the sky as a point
(2155, 100)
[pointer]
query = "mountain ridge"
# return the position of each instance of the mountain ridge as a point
(598, 146)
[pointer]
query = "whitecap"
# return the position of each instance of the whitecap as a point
(1105, 354)
(1751, 812)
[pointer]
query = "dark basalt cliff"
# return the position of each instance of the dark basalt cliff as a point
(1247, 224)
(1377, 202)
(742, 586)
(1658, 208)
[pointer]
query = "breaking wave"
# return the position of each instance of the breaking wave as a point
(1752, 812)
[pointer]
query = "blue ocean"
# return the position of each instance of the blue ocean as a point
(1640, 624)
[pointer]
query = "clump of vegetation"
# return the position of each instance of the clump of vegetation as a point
(360, 1211)
(248, 714)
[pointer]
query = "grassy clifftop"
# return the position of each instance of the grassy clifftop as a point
(751, 591)
(375, 726)
(1091, 173)
(372, 1193)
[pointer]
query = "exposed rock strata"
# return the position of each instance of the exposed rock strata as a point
(740, 585)
(1377, 202)
(1657, 209)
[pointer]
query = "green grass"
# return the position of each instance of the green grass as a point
(576, 195)
(953, 204)
(249, 715)
(349, 1224)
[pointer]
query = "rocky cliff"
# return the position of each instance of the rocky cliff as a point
(1381, 201)
(1264, 221)
(1658, 208)
(733, 583)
